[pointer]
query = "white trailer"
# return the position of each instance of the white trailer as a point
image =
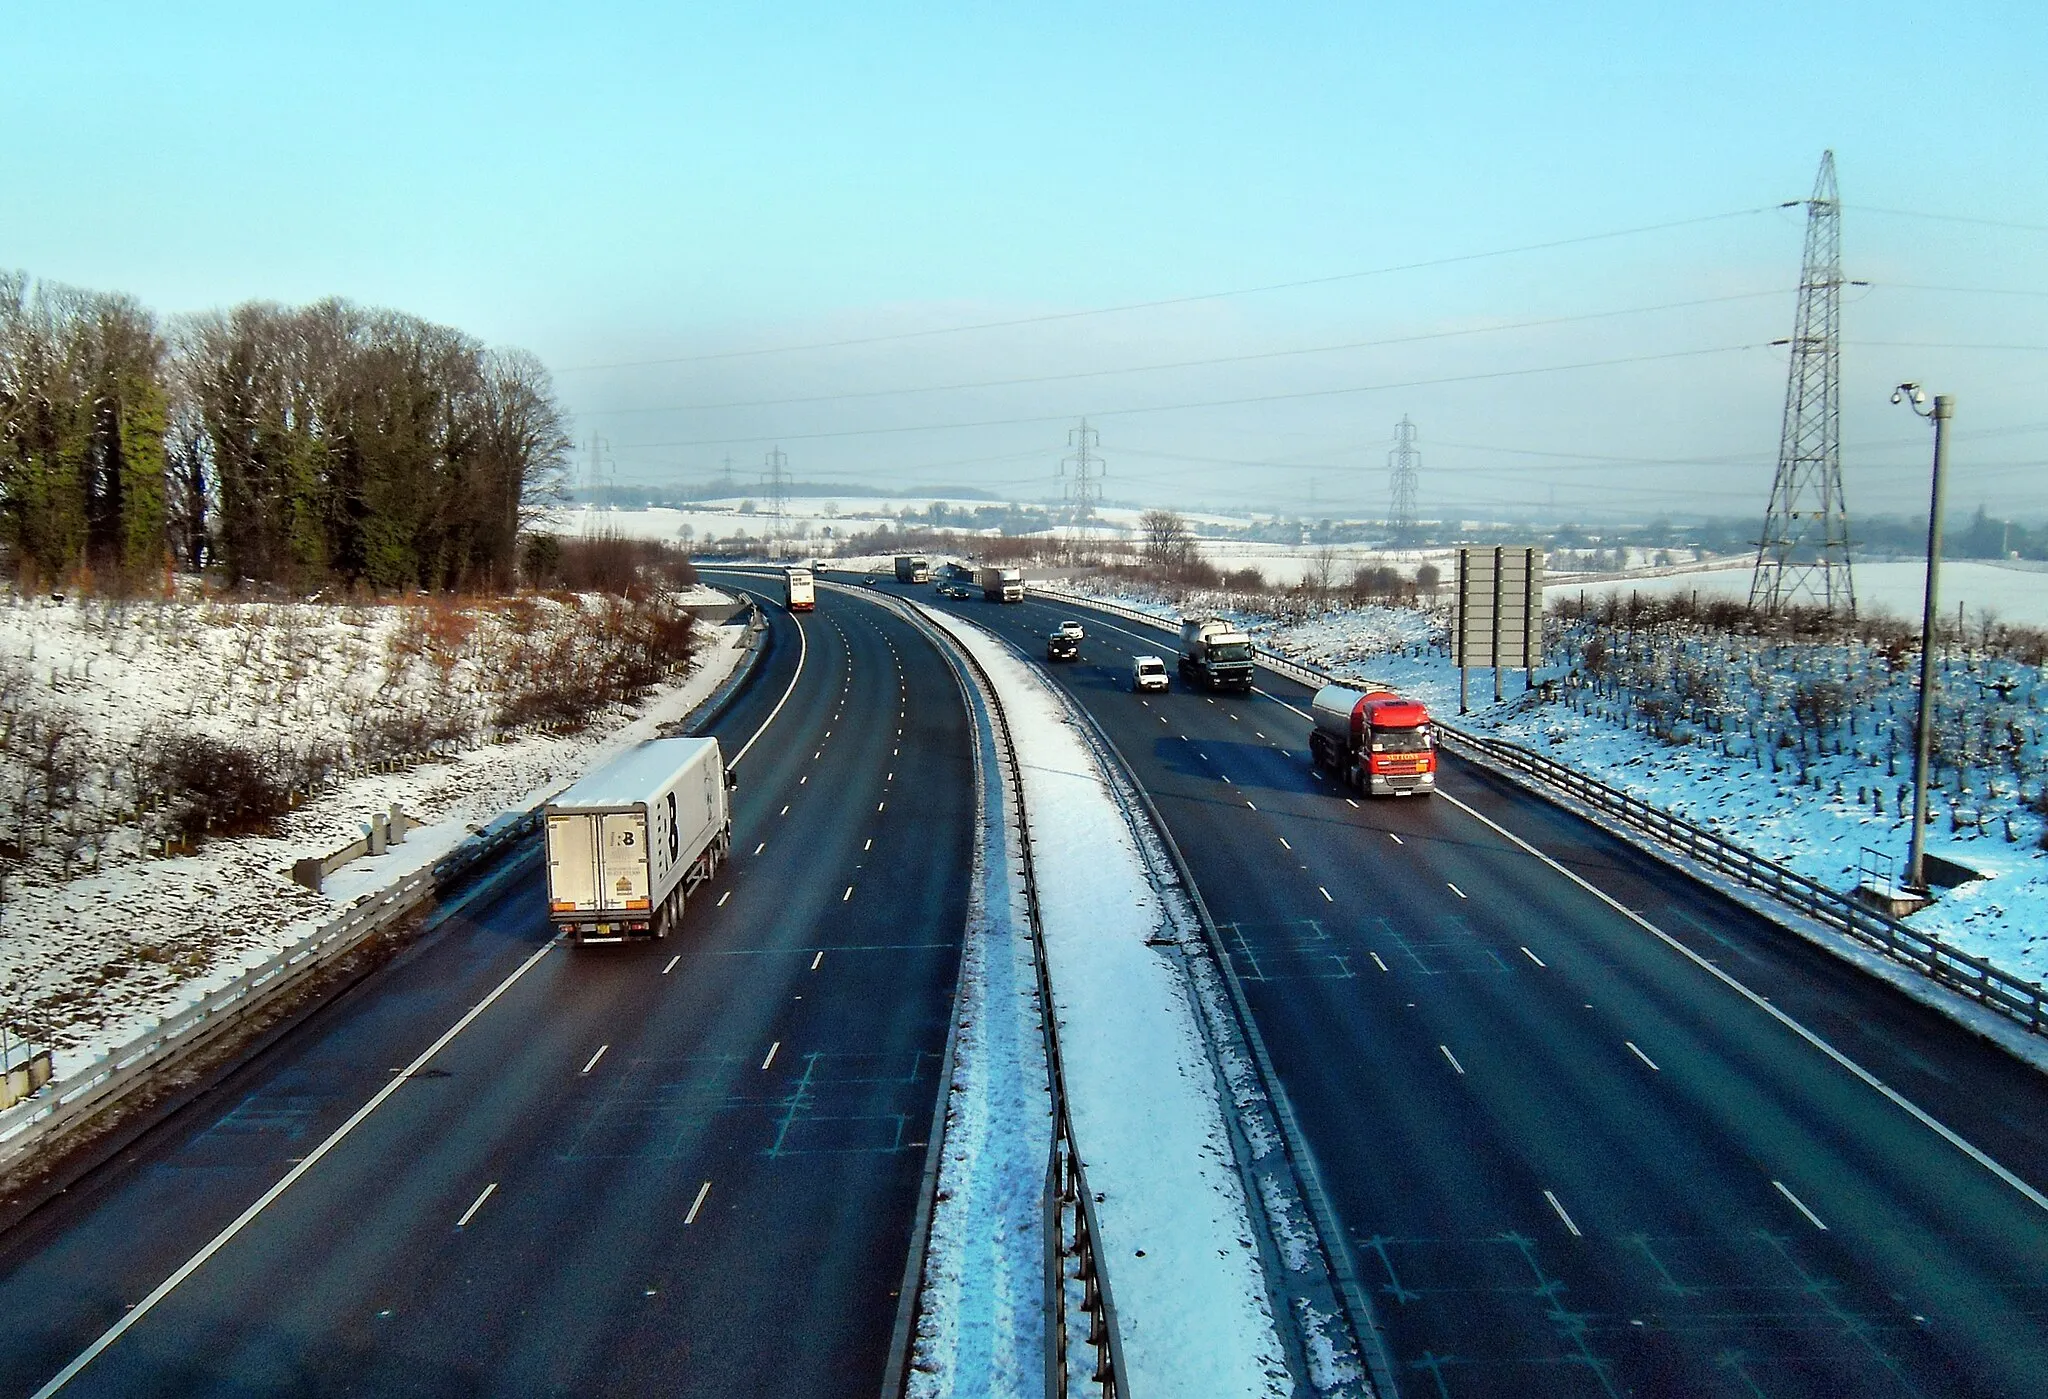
(797, 593)
(628, 843)
(1002, 584)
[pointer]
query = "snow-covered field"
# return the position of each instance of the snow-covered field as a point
(2012, 593)
(89, 952)
(1820, 832)
(1191, 1303)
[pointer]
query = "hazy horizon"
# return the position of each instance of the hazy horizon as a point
(1553, 239)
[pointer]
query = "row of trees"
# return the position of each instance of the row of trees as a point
(330, 443)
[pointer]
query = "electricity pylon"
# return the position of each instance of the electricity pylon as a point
(1803, 554)
(1405, 465)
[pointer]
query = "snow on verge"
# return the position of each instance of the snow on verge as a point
(1177, 1235)
(239, 889)
(981, 1319)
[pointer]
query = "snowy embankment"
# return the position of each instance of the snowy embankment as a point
(88, 958)
(1176, 1235)
(1818, 831)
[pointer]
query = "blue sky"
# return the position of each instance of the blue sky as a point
(607, 184)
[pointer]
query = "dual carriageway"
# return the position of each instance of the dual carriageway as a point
(1583, 1127)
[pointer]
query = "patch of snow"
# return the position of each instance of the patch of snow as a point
(2011, 594)
(100, 954)
(1190, 1297)
(981, 1325)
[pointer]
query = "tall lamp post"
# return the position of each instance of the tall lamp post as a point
(1943, 409)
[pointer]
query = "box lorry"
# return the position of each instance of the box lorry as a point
(1214, 654)
(797, 592)
(1002, 584)
(912, 569)
(628, 843)
(1375, 740)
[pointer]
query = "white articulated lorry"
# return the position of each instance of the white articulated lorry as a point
(1001, 584)
(627, 844)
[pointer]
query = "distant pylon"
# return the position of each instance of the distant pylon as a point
(774, 466)
(1405, 465)
(600, 487)
(1803, 554)
(1081, 475)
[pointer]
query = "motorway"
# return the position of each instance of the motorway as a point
(500, 1165)
(1588, 1128)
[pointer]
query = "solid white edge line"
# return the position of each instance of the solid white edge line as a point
(698, 1203)
(803, 650)
(1562, 1215)
(1642, 1056)
(1800, 1205)
(1897, 1099)
(478, 1204)
(595, 1057)
(264, 1201)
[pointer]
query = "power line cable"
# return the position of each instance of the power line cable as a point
(1463, 331)
(1212, 403)
(1192, 298)
(1947, 218)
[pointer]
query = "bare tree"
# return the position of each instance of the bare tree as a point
(1168, 544)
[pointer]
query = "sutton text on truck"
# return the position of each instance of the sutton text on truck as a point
(1375, 740)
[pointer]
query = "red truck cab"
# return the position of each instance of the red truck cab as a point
(1379, 742)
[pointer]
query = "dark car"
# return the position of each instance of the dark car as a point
(954, 590)
(1063, 646)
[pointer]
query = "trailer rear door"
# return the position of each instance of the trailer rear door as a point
(572, 864)
(624, 861)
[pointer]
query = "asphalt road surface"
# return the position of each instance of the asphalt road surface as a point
(686, 1167)
(1590, 1129)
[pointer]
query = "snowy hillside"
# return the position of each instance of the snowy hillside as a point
(121, 893)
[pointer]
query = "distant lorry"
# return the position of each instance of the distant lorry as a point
(1375, 740)
(1214, 654)
(1002, 584)
(628, 843)
(912, 569)
(798, 594)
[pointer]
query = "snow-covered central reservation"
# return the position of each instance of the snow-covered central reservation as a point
(369, 707)
(1176, 1239)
